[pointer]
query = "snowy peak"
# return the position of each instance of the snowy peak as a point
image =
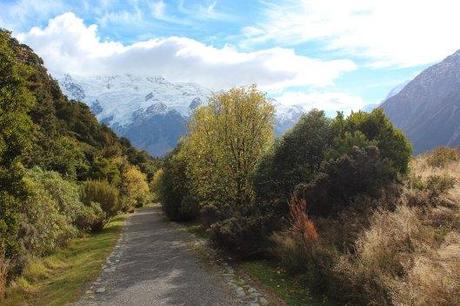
(119, 97)
(196, 102)
(149, 110)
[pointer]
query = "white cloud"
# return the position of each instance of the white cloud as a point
(68, 45)
(390, 32)
(330, 102)
(158, 9)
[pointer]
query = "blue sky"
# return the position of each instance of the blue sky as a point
(334, 55)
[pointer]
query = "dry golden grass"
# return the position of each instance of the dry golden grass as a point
(411, 256)
(422, 166)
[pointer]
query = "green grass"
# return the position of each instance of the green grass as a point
(62, 277)
(287, 287)
(196, 228)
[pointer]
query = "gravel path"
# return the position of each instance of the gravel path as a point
(153, 264)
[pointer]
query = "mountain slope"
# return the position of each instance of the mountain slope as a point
(427, 109)
(51, 149)
(149, 110)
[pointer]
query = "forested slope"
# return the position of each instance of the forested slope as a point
(61, 172)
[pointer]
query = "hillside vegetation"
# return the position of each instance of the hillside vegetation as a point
(338, 203)
(62, 174)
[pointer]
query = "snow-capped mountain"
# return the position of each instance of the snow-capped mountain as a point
(149, 110)
(120, 99)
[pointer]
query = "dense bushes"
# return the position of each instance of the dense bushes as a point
(294, 159)
(394, 249)
(48, 214)
(361, 171)
(329, 161)
(173, 190)
(372, 232)
(134, 187)
(49, 148)
(91, 218)
(241, 232)
(104, 194)
(15, 127)
(243, 184)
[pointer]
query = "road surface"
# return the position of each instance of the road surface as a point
(153, 264)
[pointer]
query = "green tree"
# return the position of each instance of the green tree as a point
(226, 139)
(134, 187)
(378, 129)
(295, 158)
(173, 188)
(102, 193)
(15, 130)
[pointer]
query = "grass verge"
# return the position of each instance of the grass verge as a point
(266, 274)
(60, 278)
(195, 228)
(277, 281)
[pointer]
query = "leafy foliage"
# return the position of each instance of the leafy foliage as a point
(48, 147)
(174, 191)
(226, 139)
(91, 218)
(361, 171)
(134, 187)
(104, 194)
(294, 159)
(377, 128)
(15, 128)
(48, 214)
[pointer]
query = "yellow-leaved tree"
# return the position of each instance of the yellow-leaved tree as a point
(226, 140)
(134, 187)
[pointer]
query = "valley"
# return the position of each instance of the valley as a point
(289, 152)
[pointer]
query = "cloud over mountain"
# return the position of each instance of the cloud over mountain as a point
(68, 44)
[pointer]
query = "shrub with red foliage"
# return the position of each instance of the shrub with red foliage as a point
(301, 223)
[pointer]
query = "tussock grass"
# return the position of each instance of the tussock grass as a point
(411, 255)
(402, 248)
(61, 278)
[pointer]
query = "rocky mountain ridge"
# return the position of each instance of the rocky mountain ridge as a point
(427, 109)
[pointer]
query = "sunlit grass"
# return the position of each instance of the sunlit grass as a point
(61, 278)
(287, 287)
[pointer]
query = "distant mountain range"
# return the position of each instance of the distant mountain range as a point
(153, 113)
(150, 111)
(427, 109)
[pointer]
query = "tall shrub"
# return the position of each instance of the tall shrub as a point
(134, 187)
(226, 140)
(48, 213)
(103, 193)
(295, 158)
(15, 128)
(174, 189)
